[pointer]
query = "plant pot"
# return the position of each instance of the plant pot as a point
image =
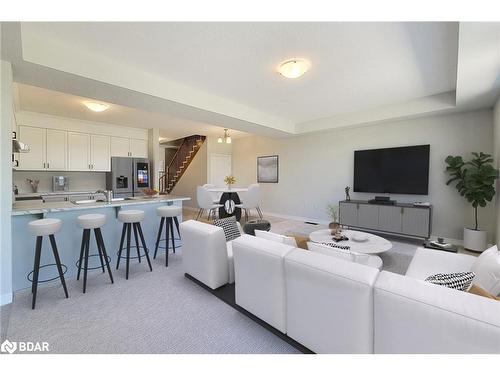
(475, 240)
(334, 226)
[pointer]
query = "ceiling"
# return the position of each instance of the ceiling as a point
(224, 74)
(355, 66)
(36, 99)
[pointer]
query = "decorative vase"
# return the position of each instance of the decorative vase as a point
(475, 240)
(228, 186)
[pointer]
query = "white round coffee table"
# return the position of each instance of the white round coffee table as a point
(373, 244)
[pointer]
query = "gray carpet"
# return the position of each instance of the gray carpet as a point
(152, 312)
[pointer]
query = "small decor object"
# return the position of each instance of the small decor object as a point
(347, 196)
(228, 224)
(267, 169)
(459, 281)
(475, 181)
(229, 180)
(359, 237)
(333, 212)
(34, 184)
(150, 192)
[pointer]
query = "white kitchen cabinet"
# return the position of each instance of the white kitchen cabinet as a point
(129, 147)
(138, 148)
(78, 151)
(120, 146)
(56, 150)
(48, 149)
(36, 139)
(100, 153)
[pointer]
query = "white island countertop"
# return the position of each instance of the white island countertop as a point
(38, 207)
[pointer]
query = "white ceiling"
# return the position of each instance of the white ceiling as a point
(355, 66)
(36, 99)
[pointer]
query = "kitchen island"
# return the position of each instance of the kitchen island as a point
(70, 236)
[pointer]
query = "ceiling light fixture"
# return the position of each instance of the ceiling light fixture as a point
(96, 107)
(225, 139)
(294, 68)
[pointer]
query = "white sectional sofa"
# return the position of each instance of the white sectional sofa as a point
(332, 305)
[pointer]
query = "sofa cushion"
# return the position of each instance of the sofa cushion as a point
(290, 241)
(458, 280)
(230, 259)
(428, 262)
(487, 270)
(230, 227)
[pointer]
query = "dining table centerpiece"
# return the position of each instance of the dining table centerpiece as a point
(229, 180)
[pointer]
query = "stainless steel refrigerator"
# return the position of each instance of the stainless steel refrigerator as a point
(128, 176)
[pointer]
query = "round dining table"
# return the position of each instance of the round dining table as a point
(229, 199)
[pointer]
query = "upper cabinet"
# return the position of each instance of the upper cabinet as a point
(48, 149)
(59, 144)
(129, 147)
(78, 151)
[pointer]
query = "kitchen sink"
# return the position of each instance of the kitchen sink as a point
(87, 201)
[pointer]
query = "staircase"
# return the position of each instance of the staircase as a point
(180, 162)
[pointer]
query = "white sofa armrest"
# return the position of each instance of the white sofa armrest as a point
(204, 253)
(329, 302)
(414, 316)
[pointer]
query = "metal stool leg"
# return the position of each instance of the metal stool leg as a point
(171, 223)
(144, 245)
(86, 256)
(36, 269)
(82, 249)
(166, 240)
(159, 236)
(137, 243)
(129, 229)
(103, 249)
(177, 226)
(99, 251)
(121, 245)
(58, 263)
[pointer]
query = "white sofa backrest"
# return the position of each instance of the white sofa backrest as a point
(329, 302)
(204, 253)
(414, 316)
(260, 278)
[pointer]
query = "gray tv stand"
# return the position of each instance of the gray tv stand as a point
(402, 219)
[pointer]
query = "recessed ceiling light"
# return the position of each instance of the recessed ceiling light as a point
(96, 107)
(294, 68)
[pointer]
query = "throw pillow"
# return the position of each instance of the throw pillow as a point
(477, 290)
(276, 237)
(487, 270)
(230, 227)
(458, 281)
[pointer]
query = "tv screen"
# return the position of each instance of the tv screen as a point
(399, 170)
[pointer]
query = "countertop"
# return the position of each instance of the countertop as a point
(51, 193)
(39, 207)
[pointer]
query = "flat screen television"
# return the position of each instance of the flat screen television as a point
(398, 170)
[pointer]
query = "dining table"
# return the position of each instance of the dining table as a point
(228, 200)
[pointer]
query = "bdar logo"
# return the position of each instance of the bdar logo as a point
(8, 347)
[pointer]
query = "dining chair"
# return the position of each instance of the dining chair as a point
(205, 202)
(251, 200)
(215, 195)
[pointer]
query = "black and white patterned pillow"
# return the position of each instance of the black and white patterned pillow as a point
(458, 281)
(230, 227)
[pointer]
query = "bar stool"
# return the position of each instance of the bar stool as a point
(168, 214)
(40, 228)
(87, 223)
(131, 218)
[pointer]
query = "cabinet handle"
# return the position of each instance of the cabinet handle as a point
(43, 165)
(48, 165)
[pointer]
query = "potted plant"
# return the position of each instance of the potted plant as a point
(333, 212)
(229, 180)
(475, 181)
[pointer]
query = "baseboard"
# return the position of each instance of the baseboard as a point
(5, 299)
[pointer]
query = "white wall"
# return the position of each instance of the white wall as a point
(496, 154)
(6, 120)
(213, 147)
(315, 168)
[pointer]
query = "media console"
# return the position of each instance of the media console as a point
(401, 219)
